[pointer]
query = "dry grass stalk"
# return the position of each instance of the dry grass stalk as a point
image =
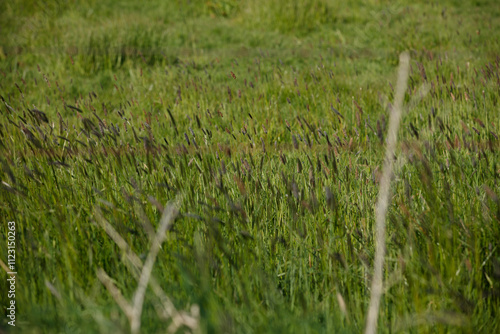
(115, 293)
(384, 193)
(166, 221)
(133, 310)
(165, 308)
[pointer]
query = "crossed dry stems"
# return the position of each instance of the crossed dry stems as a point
(142, 272)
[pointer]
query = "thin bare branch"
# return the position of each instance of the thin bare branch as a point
(166, 309)
(165, 223)
(384, 193)
(115, 293)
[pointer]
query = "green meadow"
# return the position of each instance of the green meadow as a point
(261, 126)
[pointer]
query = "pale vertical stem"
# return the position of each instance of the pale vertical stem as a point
(166, 221)
(384, 193)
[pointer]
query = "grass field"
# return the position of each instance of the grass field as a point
(266, 122)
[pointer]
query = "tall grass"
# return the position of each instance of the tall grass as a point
(273, 137)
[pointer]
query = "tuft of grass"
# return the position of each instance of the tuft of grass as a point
(289, 17)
